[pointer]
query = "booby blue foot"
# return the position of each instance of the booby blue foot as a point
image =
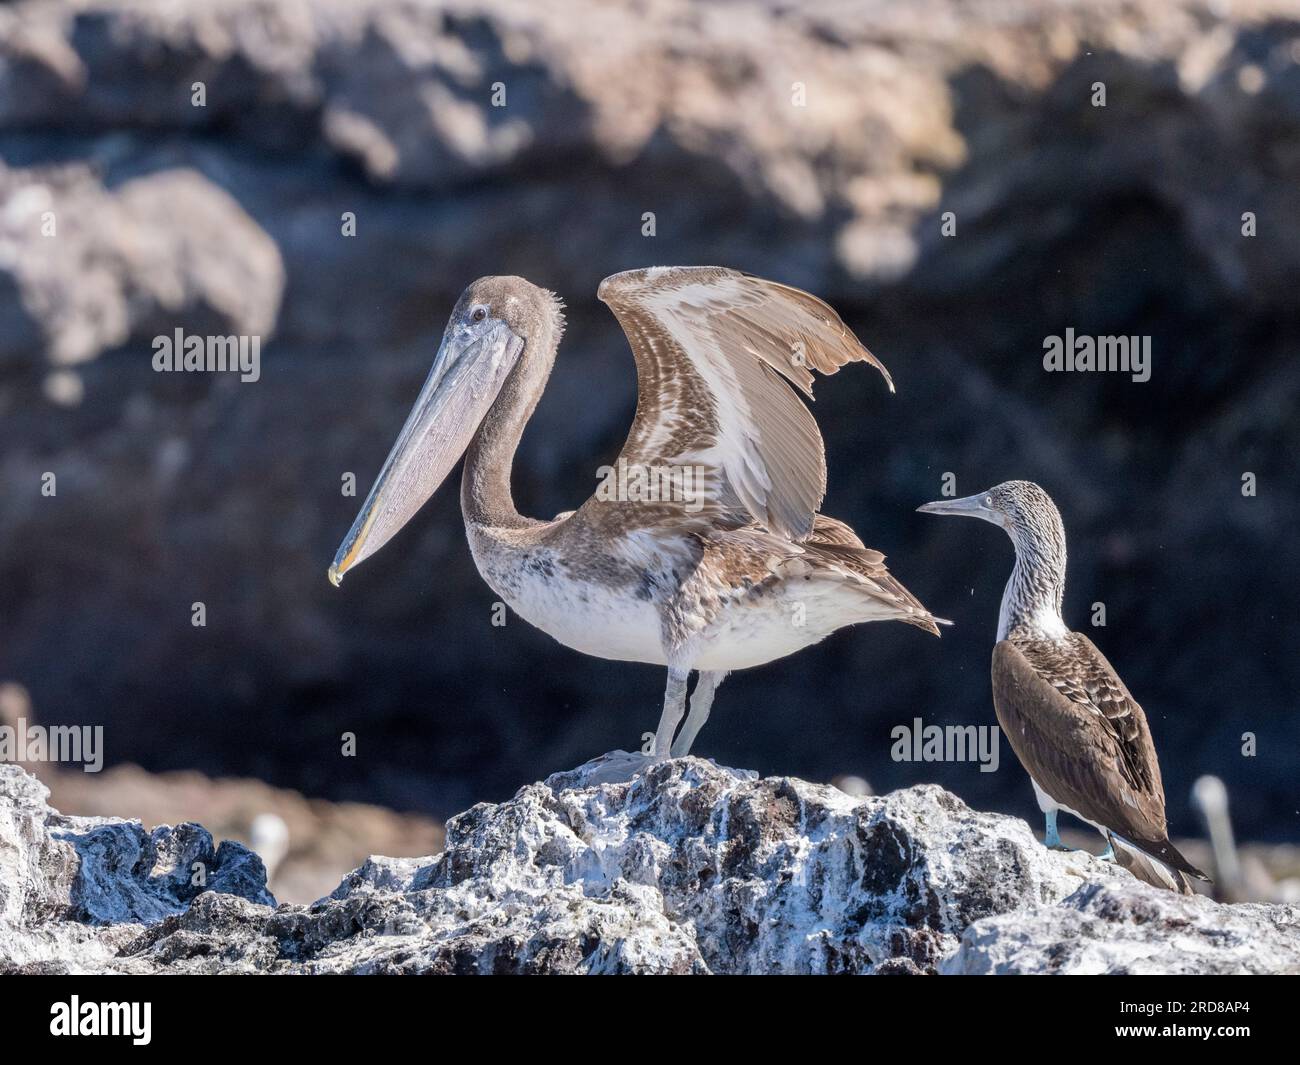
(1108, 855)
(1051, 840)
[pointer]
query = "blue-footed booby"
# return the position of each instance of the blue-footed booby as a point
(1078, 732)
(707, 552)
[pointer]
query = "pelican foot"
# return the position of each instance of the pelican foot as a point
(618, 767)
(1108, 855)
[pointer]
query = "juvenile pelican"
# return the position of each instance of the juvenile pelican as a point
(706, 551)
(1078, 732)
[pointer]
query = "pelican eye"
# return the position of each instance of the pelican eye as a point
(478, 313)
(988, 501)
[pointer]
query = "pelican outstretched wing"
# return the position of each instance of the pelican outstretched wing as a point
(717, 353)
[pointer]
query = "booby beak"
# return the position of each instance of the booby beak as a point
(471, 366)
(976, 506)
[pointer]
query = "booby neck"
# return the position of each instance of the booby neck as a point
(1031, 602)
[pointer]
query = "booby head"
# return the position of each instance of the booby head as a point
(1022, 508)
(1032, 600)
(486, 337)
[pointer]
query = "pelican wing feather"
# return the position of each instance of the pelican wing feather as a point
(719, 357)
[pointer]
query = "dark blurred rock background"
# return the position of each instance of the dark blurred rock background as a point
(227, 218)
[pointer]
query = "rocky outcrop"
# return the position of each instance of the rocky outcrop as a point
(689, 868)
(75, 890)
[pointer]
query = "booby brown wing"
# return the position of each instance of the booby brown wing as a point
(717, 354)
(1083, 738)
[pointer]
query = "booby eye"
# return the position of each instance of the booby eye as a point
(478, 313)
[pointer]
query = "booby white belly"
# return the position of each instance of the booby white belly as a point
(1047, 804)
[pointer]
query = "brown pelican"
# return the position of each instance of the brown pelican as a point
(705, 551)
(1074, 726)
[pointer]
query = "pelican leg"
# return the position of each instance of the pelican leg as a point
(1108, 855)
(701, 704)
(674, 708)
(618, 767)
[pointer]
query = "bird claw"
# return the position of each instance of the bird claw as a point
(618, 767)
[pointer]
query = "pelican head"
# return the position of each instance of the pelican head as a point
(487, 335)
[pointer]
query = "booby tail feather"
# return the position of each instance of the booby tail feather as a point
(1151, 870)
